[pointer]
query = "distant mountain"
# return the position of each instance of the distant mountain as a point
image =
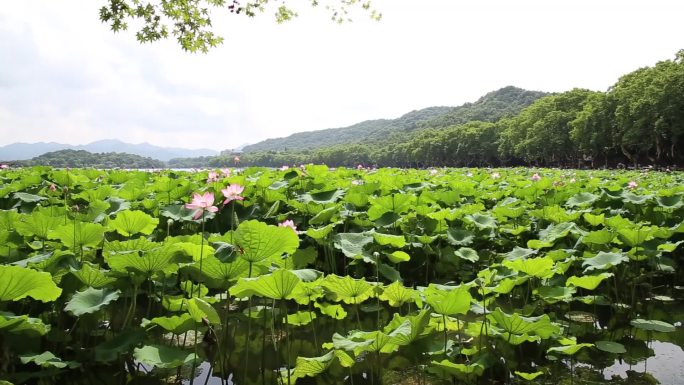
(24, 151)
(491, 107)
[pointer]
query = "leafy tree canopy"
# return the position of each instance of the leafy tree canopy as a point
(190, 21)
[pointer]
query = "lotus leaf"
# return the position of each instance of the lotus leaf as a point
(17, 282)
(130, 222)
(348, 289)
(90, 300)
(162, 356)
(48, 360)
(258, 241)
(450, 301)
(79, 234)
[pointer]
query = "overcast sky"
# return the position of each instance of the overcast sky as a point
(65, 77)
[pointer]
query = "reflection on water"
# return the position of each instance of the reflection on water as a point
(666, 366)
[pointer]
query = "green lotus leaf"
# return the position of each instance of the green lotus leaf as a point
(447, 368)
(397, 295)
(604, 261)
(652, 325)
(388, 239)
(481, 221)
(156, 260)
(258, 241)
(335, 311)
(629, 197)
(194, 250)
(79, 234)
(130, 222)
(450, 301)
(17, 282)
(553, 294)
(120, 344)
(177, 212)
(410, 327)
(278, 285)
(352, 244)
(393, 203)
(669, 247)
(300, 318)
(519, 325)
(540, 267)
(312, 366)
(48, 360)
(611, 347)
(594, 220)
(321, 232)
(598, 237)
(22, 324)
(132, 245)
(91, 275)
(28, 198)
(39, 223)
(529, 376)
(200, 310)
(387, 219)
(468, 254)
(569, 350)
(618, 223)
(389, 272)
(635, 236)
(555, 214)
(581, 199)
(398, 256)
(373, 341)
(459, 237)
(162, 356)
(322, 197)
(177, 324)
(519, 252)
(589, 282)
(348, 289)
(90, 300)
(325, 216)
(306, 292)
(670, 202)
(220, 274)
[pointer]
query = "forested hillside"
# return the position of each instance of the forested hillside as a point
(507, 101)
(639, 120)
(82, 158)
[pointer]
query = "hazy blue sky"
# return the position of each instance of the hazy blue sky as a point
(65, 77)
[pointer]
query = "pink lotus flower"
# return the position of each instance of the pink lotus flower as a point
(433, 172)
(202, 203)
(632, 185)
(212, 177)
(536, 177)
(573, 180)
(496, 175)
(359, 167)
(3, 167)
(288, 223)
(232, 192)
(284, 168)
(52, 187)
(236, 159)
(225, 172)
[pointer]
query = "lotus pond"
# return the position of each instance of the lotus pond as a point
(346, 276)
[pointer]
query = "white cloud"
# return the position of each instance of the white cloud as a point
(66, 77)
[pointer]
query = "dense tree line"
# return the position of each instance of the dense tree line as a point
(82, 158)
(639, 120)
(507, 101)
